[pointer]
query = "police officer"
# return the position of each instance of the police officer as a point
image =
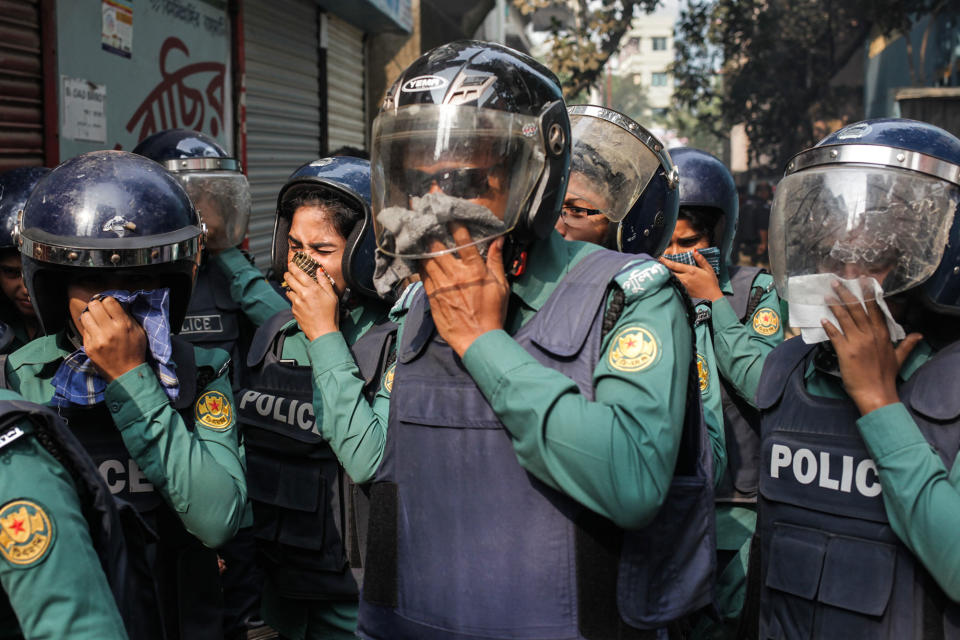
(738, 324)
(858, 504)
(156, 414)
(16, 311)
(621, 179)
(539, 392)
(302, 498)
(221, 194)
(72, 561)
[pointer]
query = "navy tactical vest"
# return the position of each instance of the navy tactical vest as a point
(214, 320)
(741, 421)
(831, 566)
(301, 496)
(185, 570)
(118, 535)
(465, 543)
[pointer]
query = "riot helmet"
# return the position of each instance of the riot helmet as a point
(106, 214)
(875, 199)
(15, 188)
(343, 180)
(708, 192)
(614, 161)
(474, 133)
(213, 180)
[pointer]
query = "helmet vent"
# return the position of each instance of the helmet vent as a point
(556, 139)
(468, 89)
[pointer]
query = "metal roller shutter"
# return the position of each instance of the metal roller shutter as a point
(283, 120)
(21, 84)
(346, 120)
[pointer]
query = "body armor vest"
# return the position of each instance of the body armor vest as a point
(118, 535)
(301, 496)
(465, 543)
(832, 567)
(185, 570)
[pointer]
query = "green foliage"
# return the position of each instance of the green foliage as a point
(777, 59)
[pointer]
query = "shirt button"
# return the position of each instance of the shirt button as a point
(114, 406)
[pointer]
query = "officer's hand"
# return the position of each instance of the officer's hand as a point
(869, 363)
(700, 281)
(114, 341)
(468, 296)
(315, 303)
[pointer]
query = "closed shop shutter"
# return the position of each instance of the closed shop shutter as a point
(347, 122)
(21, 84)
(281, 39)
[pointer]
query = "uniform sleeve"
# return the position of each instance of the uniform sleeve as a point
(199, 472)
(712, 399)
(615, 455)
(922, 498)
(64, 592)
(355, 429)
(258, 300)
(742, 348)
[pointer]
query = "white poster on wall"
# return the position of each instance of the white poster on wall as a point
(84, 110)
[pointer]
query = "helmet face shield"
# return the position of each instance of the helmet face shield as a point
(860, 221)
(610, 167)
(437, 168)
(222, 198)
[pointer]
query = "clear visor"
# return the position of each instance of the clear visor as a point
(609, 166)
(223, 200)
(445, 176)
(859, 221)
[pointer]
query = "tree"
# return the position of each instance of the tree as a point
(583, 35)
(777, 60)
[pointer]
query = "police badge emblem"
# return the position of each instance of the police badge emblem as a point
(633, 349)
(702, 372)
(766, 321)
(213, 411)
(388, 378)
(26, 533)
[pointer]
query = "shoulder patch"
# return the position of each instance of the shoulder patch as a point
(26, 533)
(388, 378)
(766, 321)
(213, 411)
(703, 372)
(638, 280)
(633, 348)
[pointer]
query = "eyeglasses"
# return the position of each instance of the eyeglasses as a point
(11, 273)
(466, 183)
(577, 216)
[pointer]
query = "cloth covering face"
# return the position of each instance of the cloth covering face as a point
(808, 305)
(711, 254)
(78, 382)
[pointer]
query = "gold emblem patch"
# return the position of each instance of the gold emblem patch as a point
(633, 349)
(213, 411)
(766, 321)
(25, 532)
(388, 378)
(702, 372)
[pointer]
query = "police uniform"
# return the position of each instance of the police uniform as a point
(620, 467)
(72, 564)
(258, 300)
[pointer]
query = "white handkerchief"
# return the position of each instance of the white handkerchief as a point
(807, 306)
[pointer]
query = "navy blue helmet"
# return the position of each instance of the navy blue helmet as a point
(108, 213)
(877, 198)
(346, 179)
(212, 178)
(15, 187)
(706, 183)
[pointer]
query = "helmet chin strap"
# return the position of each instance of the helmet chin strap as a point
(514, 256)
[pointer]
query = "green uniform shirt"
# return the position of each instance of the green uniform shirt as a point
(248, 288)
(199, 472)
(58, 590)
(615, 455)
(921, 496)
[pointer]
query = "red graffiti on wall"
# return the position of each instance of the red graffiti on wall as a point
(173, 103)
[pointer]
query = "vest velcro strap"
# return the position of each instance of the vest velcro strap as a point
(380, 572)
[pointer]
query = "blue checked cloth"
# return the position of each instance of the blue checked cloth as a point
(77, 380)
(712, 255)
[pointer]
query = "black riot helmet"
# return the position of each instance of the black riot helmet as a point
(15, 187)
(212, 178)
(108, 213)
(469, 122)
(344, 180)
